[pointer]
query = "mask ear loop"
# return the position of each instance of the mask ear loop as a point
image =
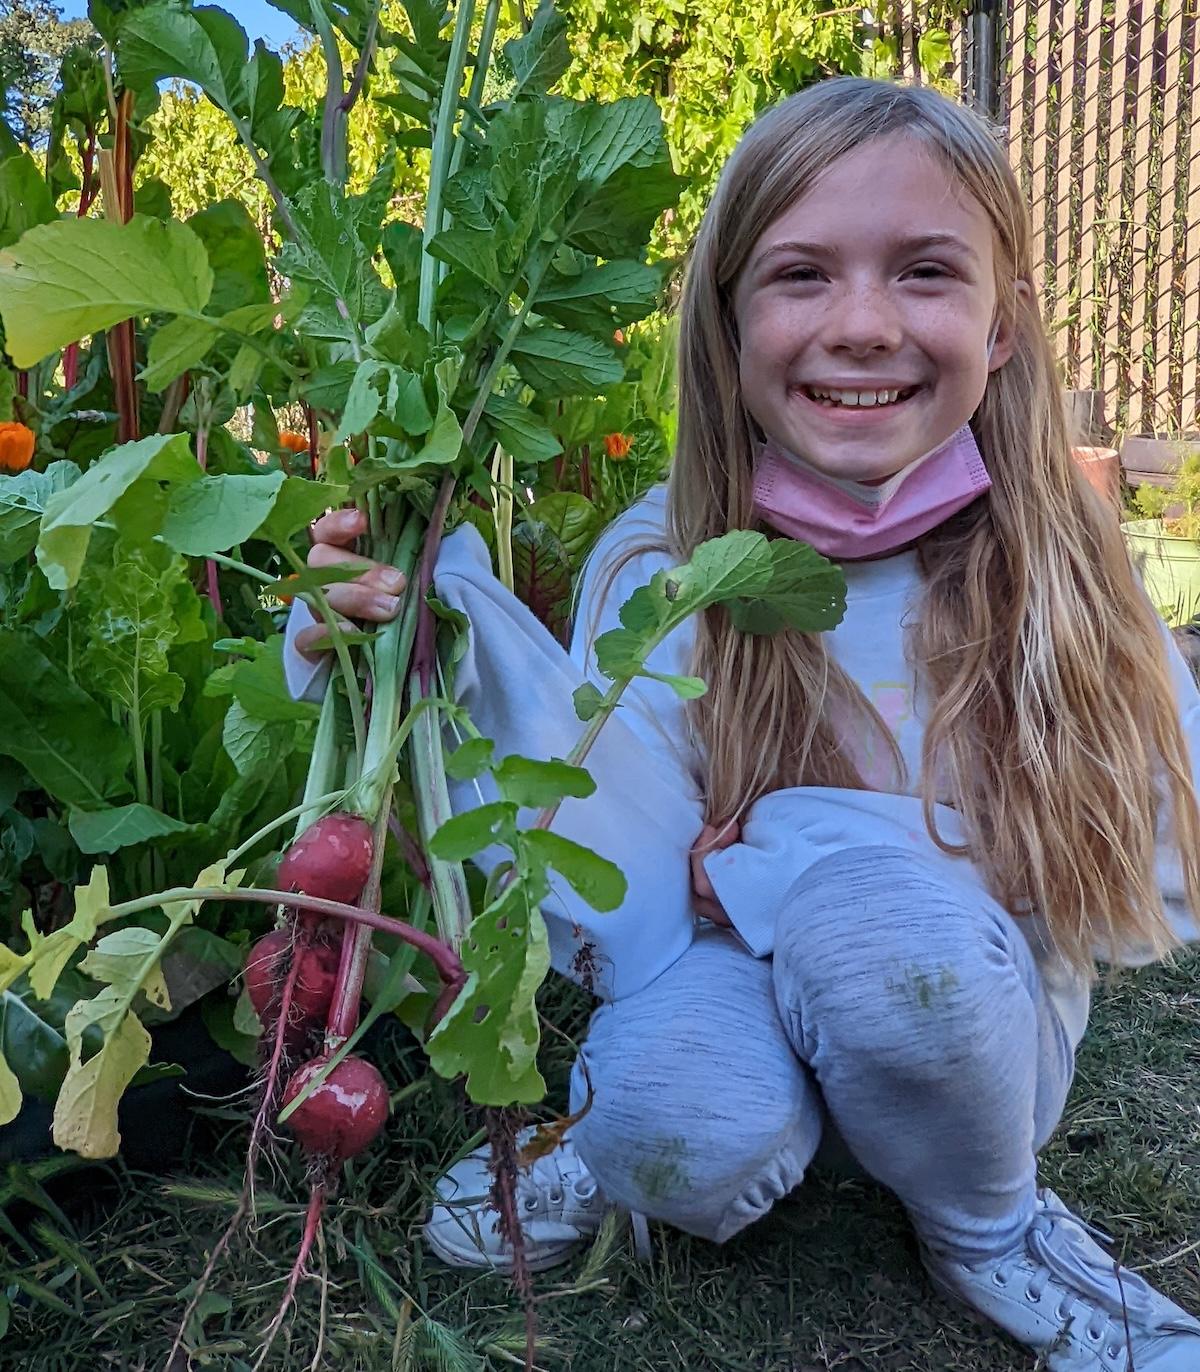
(991, 342)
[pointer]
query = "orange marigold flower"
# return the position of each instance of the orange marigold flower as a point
(617, 446)
(293, 442)
(16, 447)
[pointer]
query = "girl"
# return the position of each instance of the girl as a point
(925, 826)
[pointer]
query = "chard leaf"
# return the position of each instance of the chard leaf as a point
(542, 574)
(197, 962)
(216, 513)
(121, 826)
(608, 137)
(572, 519)
(250, 741)
(67, 523)
(65, 740)
(614, 221)
(132, 626)
(23, 498)
(74, 277)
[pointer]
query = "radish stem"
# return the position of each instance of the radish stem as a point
(445, 959)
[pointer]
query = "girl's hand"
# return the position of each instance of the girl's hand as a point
(374, 596)
(704, 898)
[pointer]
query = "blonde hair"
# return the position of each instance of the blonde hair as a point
(1052, 731)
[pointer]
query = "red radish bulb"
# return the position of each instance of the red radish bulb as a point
(344, 1114)
(266, 971)
(331, 859)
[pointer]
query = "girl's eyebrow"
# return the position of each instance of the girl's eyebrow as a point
(915, 243)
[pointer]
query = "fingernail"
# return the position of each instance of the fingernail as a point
(386, 604)
(393, 581)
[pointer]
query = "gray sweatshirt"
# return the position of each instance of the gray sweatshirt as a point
(517, 683)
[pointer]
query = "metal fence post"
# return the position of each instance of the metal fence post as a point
(981, 74)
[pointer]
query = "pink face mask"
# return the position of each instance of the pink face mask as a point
(845, 519)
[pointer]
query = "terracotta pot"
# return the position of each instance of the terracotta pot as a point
(1102, 469)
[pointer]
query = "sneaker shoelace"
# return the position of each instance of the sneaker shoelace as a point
(544, 1185)
(1113, 1297)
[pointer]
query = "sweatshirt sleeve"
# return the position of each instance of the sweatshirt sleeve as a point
(306, 677)
(517, 682)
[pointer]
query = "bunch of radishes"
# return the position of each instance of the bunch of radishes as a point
(294, 975)
(300, 979)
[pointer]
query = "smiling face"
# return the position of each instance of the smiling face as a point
(864, 311)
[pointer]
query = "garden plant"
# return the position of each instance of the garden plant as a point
(164, 796)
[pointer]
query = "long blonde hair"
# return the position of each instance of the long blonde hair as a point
(1052, 725)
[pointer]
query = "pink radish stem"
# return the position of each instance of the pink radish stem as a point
(423, 653)
(444, 958)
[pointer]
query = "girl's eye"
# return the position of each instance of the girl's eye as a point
(800, 274)
(928, 271)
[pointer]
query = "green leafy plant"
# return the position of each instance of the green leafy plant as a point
(440, 367)
(1177, 505)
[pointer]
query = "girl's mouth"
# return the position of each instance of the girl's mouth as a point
(857, 400)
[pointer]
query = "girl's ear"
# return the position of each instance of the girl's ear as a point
(1006, 331)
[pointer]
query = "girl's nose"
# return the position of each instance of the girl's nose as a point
(863, 320)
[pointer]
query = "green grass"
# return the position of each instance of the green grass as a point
(829, 1280)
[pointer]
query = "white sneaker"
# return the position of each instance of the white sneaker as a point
(1059, 1292)
(559, 1204)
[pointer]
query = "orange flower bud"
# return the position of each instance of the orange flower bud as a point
(16, 447)
(617, 446)
(293, 442)
(287, 599)
(619, 337)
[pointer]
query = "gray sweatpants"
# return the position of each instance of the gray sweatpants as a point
(900, 1003)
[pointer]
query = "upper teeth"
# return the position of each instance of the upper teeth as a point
(855, 397)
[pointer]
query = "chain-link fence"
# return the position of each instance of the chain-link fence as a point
(1101, 103)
